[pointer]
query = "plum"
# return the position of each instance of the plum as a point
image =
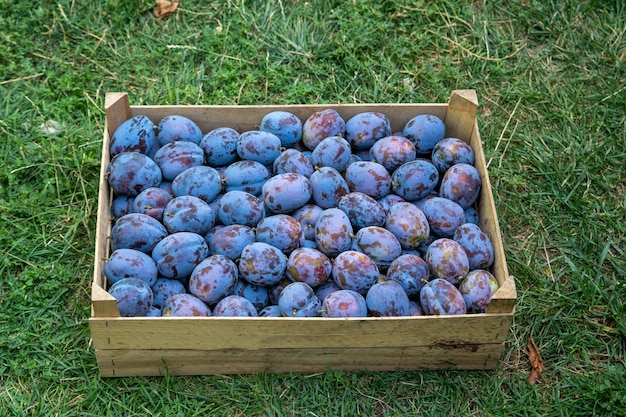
(415, 179)
(298, 300)
(368, 177)
(262, 264)
(130, 263)
(248, 176)
(213, 279)
(270, 311)
(447, 259)
(307, 215)
(258, 295)
(259, 146)
(439, 297)
(164, 288)
(176, 127)
(184, 305)
(476, 289)
(477, 245)
(450, 151)
(326, 288)
(334, 151)
(200, 181)
(408, 223)
(188, 214)
(321, 125)
(234, 306)
(152, 201)
(362, 210)
(392, 152)
(444, 215)
(137, 231)
(415, 308)
(365, 128)
(175, 157)
(129, 173)
(333, 232)
(410, 271)
(344, 303)
(292, 160)
(387, 299)
(309, 266)
(461, 183)
(328, 186)
(389, 200)
(281, 231)
(379, 244)
(134, 135)
(355, 271)
(220, 146)
(122, 205)
(286, 125)
(133, 296)
(424, 131)
(230, 240)
(179, 253)
(240, 207)
(284, 193)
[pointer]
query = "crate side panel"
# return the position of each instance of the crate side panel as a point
(276, 333)
(137, 362)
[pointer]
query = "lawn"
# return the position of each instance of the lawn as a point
(551, 82)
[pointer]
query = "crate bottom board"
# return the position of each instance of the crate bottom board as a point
(147, 362)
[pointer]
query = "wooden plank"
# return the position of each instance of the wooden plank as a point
(285, 332)
(243, 118)
(117, 108)
(143, 362)
(461, 116)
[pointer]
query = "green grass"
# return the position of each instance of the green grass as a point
(550, 78)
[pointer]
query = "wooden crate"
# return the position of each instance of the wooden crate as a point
(210, 345)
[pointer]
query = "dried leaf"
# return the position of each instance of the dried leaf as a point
(535, 361)
(165, 8)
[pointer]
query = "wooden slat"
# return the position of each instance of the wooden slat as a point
(142, 362)
(461, 116)
(283, 332)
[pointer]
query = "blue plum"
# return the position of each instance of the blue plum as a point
(213, 279)
(122, 205)
(164, 288)
(364, 129)
(344, 303)
(333, 232)
(292, 160)
(184, 305)
(259, 146)
(248, 176)
(152, 201)
(410, 271)
(461, 183)
(392, 151)
(220, 146)
(175, 157)
(424, 131)
(439, 297)
(134, 135)
(307, 215)
(476, 289)
(133, 296)
(362, 210)
(326, 288)
(321, 125)
(408, 223)
(230, 240)
(328, 186)
(368, 177)
(451, 151)
(130, 263)
(240, 207)
(355, 271)
(387, 299)
(199, 181)
(415, 179)
(299, 300)
(286, 125)
(334, 151)
(188, 214)
(284, 193)
(179, 253)
(444, 215)
(129, 173)
(379, 244)
(270, 311)
(281, 231)
(477, 245)
(258, 295)
(309, 266)
(447, 260)
(262, 264)
(178, 128)
(137, 231)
